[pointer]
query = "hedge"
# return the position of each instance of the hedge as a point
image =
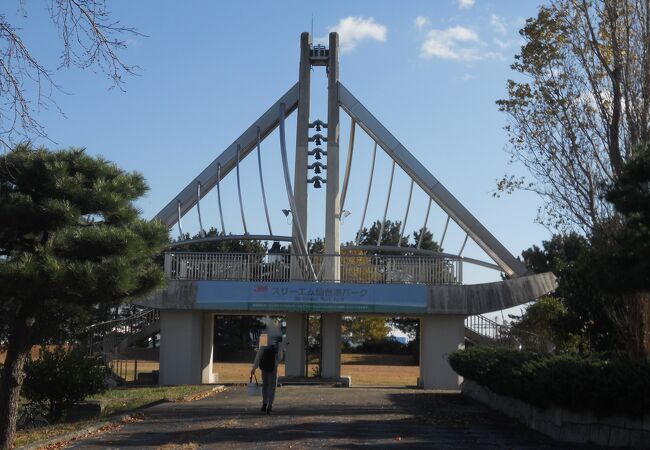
(575, 382)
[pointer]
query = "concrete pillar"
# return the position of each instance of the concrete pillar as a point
(330, 362)
(207, 350)
(180, 346)
(440, 336)
(333, 197)
(294, 360)
(302, 147)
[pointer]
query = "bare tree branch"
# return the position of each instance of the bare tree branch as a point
(90, 39)
(583, 107)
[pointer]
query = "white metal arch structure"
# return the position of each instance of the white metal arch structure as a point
(429, 184)
(227, 161)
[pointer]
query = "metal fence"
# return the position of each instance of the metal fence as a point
(380, 269)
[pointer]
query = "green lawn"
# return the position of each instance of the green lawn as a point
(119, 400)
(115, 401)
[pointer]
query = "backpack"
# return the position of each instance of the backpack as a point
(267, 361)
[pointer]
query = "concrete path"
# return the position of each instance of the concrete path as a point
(313, 417)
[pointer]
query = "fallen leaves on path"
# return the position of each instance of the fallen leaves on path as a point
(202, 394)
(187, 446)
(64, 444)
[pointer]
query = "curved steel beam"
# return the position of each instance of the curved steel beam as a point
(420, 251)
(348, 166)
(431, 186)
(460, 253)
(424, 227)
(231, 237)
(267, 122)
(444, 232)
(241, 203)
(365, 207)
(390, 189)
(302, 243)
(259, 165)
(223, 228)
(180, 226)
(406, 216)
(198, 208)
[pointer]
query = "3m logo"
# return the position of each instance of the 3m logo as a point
(261, 288)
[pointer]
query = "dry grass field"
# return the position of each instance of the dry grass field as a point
(365, 370)
(36, 352)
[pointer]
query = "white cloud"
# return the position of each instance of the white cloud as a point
(504, 44)
(467, 77)
(466, 4)
(353, 30)
(457, 44)
(421, 22)
(499, 24)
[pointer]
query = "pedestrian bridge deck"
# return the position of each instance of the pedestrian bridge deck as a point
(415, 285)
(350, 268)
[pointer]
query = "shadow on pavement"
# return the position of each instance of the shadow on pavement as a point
(342, 418)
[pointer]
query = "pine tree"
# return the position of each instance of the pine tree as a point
(71, 242)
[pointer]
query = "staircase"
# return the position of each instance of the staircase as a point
(112, 338)
(479, 330)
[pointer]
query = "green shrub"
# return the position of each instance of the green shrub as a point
(569, 381)
(61, 378)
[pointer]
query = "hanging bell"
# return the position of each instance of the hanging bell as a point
(317, 155)
(317, 169)
(317, 183)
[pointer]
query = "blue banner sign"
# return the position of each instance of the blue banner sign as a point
(311, 297)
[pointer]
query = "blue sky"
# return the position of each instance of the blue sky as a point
(430, 71)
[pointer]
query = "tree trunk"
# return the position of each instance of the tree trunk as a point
(630, 315)
(643, 301)
(18, 350)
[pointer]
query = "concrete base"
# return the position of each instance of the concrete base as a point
(440, 336)
(568, 426)
(294, 360)
(330, 364)
(186, 347)
(344, 381)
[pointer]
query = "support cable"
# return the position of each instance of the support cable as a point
(348, 167)
(444, 233)
(424, 227)
(406, 216)
(302, 243)
(223, 228)
(463, 246)
(180, 226)
(390, 188)
(198, 208)
(241, 204)
(365, 208)
(259, 164)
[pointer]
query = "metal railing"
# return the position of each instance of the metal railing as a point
(381, 269)
(484, 331)
(105, 337)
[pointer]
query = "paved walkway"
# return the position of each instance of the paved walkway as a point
(313, 417)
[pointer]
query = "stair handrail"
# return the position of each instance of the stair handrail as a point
(125, 324)
(501, 331)
(121, 319)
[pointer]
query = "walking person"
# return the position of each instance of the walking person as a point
(267, 359)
